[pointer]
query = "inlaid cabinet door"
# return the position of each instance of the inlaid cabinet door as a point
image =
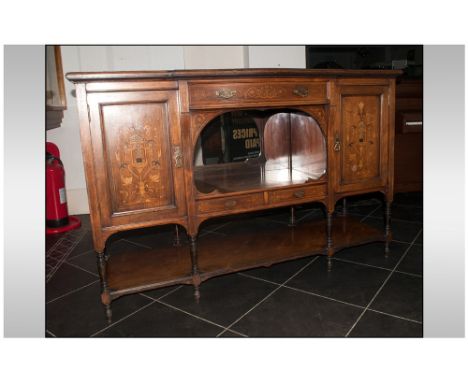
(361, 138)
(137, 156)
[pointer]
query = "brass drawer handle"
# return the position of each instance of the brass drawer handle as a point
(337, 145)
(178, 157)
(299, 194)
(230, 203)
(225, 93)
(301, 91)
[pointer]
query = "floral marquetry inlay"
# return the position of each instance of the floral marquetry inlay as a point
(140, 162)
(361, 129)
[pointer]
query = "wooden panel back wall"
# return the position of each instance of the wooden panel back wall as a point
(110, 58)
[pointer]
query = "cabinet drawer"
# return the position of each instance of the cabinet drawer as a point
(297, 194)
(230, 204)
(221, 94)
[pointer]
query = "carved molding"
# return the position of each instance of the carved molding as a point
(200, 120)
(319, 114)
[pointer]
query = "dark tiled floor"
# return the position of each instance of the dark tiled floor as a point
(364, 295)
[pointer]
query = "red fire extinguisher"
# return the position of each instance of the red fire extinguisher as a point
(57, 219)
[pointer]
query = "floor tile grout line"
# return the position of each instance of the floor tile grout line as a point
(72, 291)
(122, 319)
(397, 220)
(137, 244)
(405, 242)
(383, 284)
(207, 232)
(58, 243)
(375, 266)
(63, 241)
(269, 295)
(197, 317)
(232, 331)
(170, 292)
(80, 268)
(258, 278)
(306, 215)
(323, 296)
(216, 228)
(362, 264)
(409, 274)
(63, 257)
(93, 252)
(370, 213)
(395, 316)
(190, 314)
(164, 295)
(305, 291)
(52, 334)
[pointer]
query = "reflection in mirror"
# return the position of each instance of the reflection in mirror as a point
(231, 137)
(245, 150)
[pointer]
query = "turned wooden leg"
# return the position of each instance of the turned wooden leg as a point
(105, 295)
(292, 217)
(195, 272)
(176, 242)
(345, 207)
(329, 240)
(388, 229)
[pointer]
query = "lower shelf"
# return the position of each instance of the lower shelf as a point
(249, 245)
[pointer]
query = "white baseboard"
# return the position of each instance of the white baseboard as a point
(77, 200)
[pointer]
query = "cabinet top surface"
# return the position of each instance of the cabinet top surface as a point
(225, 73)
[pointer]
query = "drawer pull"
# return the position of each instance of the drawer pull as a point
(225, 93)
(299, 194)
(301, 91)
(230, 203)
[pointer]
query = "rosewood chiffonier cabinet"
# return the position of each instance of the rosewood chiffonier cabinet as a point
(319, 136)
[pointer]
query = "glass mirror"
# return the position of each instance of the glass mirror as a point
(258, 149)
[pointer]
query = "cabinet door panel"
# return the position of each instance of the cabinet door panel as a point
(363, 136)
(136, 137)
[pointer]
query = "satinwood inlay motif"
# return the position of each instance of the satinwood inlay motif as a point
(140, 178)
(265, 92)
(318, 113)
(360, 131)
(140, 162)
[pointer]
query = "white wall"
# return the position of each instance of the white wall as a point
(104, 58)
(215, 57)
(277, 56)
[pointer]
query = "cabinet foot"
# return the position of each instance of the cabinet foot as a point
(106, 300)
(196, 293)
(329, 234)
(102, 269)
(109, 314)
(329, 240)
(292, 217)
(176, 241)
(105, 296)
(329, 264)
(388, 229)
(195, 272)
(344, 211)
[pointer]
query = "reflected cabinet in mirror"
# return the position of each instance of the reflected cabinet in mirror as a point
(259, 149)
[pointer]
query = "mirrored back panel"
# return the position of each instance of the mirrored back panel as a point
(257, 149)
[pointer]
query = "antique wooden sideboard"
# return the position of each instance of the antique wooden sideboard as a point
(322, 135)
